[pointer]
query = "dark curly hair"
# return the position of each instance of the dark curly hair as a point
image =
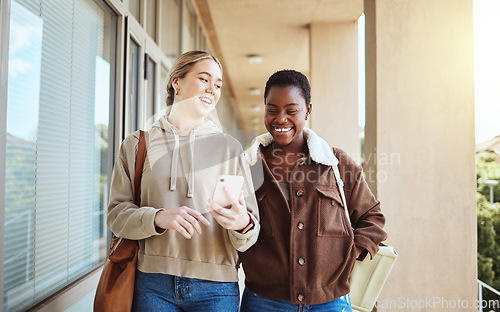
(289, 78)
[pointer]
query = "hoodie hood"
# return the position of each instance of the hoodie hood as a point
(208, 127)
(178, 137)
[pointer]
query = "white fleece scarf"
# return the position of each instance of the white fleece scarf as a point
(319, 149)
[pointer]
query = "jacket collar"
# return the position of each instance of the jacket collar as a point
(319, 149)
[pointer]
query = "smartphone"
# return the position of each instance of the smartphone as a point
(233, 182)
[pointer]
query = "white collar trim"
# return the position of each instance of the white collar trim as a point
(319, 149)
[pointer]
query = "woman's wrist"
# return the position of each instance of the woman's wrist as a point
(250, 225)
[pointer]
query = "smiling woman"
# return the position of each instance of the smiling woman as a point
(181, 240)
(196, 93)
(286, 114)
(306, 264)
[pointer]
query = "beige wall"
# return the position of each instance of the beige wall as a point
(334, 84)
(420, 122)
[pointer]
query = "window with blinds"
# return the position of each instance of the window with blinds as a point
(61, 84)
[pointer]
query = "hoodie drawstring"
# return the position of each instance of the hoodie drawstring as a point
(175, 160)
(192, 136)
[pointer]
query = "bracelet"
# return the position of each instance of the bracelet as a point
(247, 228)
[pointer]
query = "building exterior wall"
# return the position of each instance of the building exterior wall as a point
(334, 84)
(420, 148)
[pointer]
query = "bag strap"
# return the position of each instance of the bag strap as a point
(139, 166)
(340, 185)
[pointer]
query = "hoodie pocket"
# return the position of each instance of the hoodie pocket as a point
(332, 219)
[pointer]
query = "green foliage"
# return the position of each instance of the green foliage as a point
(488, 223)
(485, 269)
(488, 245)
(488, 168)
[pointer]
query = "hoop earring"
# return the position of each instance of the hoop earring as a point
(176, 91)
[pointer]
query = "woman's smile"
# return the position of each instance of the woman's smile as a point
(286, 113)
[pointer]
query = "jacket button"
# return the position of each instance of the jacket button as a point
(300, 225)
(301, 163)
(333, 202)
(301, 261)
(301, 297)
(300, 193)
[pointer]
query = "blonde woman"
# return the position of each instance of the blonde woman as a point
(187, 243)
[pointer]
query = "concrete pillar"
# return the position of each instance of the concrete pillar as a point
(420, 148)
(334, 84)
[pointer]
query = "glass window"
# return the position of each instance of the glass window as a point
(134, 7)
(193, 24)
(151, 18)
(204, 43)
(132, 111)
(162, 95)
(199, 38)
(151, 88)
(57, 161)
(170, 31)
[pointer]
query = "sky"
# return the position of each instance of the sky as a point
(486, 69)
(25, 59)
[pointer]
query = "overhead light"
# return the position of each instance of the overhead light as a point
(254, 59)
(256, 108)
(256, 120)
(255, 91)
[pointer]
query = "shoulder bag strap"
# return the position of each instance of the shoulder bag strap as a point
(139, 165)
(340, 185)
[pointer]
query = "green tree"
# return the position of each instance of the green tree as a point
(488, 223)
(487, 168)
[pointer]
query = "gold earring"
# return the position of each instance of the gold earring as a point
(176, 91)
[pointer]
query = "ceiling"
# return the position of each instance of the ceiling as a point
(275, 30)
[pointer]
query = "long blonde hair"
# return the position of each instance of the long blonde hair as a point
(181, 67)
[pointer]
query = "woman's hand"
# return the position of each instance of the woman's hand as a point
(182, 219)
(235, 217)
(359, 250)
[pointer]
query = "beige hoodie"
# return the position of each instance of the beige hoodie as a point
(180, 169)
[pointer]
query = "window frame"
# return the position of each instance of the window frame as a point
(145, 25)
(124, 28)
(4, 62)
(81, 285)
(137, 33)
(155, 54)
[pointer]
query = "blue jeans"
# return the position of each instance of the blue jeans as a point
(251, 302)
(165, 293)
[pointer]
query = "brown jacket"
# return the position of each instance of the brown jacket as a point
(305, 250)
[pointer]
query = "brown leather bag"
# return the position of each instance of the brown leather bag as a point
(115, 290)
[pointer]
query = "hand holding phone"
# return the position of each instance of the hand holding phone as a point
(233, 183)
(228, 206)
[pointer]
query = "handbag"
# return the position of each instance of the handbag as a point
(115, 290)
(368, 276)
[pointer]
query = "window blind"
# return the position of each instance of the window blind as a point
(57, 169)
